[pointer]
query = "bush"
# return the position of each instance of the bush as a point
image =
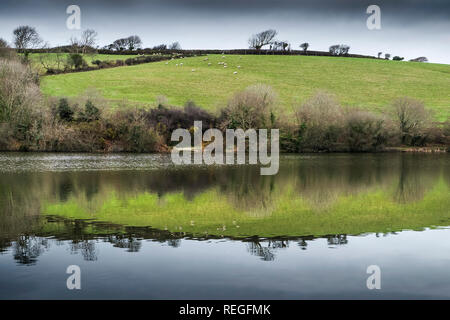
(412, 121)
(65, 112)
(166, 118)
(76, 61)
(322, 121)
(367, 131)
(91, 113)
(20, 100)
(250, 108)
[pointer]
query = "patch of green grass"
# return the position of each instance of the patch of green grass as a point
(367, 83)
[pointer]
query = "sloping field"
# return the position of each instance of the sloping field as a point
(366, 83)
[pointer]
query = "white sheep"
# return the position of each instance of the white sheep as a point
(235, 72)
(239, 67)
(193, 70)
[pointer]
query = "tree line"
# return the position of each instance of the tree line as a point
(26, 38)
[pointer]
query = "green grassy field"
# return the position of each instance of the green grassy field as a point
(367, 83)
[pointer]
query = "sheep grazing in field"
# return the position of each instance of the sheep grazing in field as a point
(235, 72)
(167, 63)
(224, 66)
(193, 70)
(209, 64)
(206, 59)
(176, 65)
(223, 57)
(239, 67)
(181, 63)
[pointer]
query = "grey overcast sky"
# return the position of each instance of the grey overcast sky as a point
(409, 28)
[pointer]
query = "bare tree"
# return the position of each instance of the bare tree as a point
(175, 46)
(119, 44)
(3, 43)
(75, 45)
(259, 40)
(160, 47)
(134, 42)
(379, 54)
(339, 49)
(26, 37)
(88, 40)
(279, 45)
(412, 119)
(304, 46)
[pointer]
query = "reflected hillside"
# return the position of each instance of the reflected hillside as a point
(313, 195)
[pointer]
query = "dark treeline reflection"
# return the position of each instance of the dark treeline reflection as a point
(319, 180)
(83, 237)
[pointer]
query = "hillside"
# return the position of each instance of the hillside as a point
(367, 83)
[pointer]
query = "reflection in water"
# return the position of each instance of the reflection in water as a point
(313, 185)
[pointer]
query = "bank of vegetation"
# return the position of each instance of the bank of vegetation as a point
(31, 122)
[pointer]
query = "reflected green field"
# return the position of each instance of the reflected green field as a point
(288, 214)
(138, 222)
(311, 195)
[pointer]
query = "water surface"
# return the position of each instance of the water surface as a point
(142, 228)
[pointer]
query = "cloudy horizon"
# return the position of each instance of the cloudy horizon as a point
(409, 28)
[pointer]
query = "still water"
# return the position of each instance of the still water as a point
(141, 228)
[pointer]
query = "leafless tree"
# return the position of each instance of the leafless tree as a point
(26, 37)
(259, 40)
(175, 46)
(304, 46)
(88, 40)
(279, 45)
(134, 42)
(379, 54)
(120, 44)
(3, 43)
(75, 45)
(339, 49)
(412, 119)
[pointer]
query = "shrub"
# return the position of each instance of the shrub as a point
(367, 131)
(166, 118)
(65, 112)
(412, 121)
(250, 108)
(20, 100)
(322, 121)
(75, 60)
(91, 112)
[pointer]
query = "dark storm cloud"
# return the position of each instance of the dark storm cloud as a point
(403, 9)
(226, 24)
